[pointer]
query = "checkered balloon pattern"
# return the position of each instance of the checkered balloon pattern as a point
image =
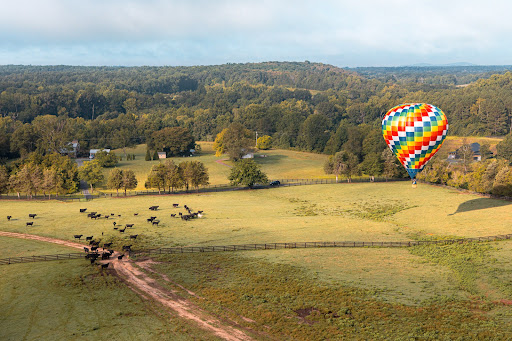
(414, 133)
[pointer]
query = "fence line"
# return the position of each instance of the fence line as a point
(30, 259)
(203, 189)
(301, 245)
(263, 246)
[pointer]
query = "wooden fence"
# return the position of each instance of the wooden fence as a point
(266, 246)
(30, 259)
(301, 245)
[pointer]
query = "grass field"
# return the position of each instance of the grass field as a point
(278, 163)
(459, 284)
(452, 143)
(72, 300)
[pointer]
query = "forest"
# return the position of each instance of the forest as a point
(301, 105)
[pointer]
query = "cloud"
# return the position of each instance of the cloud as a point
(156, 32)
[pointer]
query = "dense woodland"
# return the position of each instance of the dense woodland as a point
(304, 106)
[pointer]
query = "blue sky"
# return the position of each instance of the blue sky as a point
(198, 32)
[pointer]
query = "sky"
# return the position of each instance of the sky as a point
(200, 32)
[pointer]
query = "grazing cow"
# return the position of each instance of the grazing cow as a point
(135, 214)
(129, 225)
(155, 222)
(93, 242)
(114, 223)
(82, 210)
(105, 255)
(173, 215)
(78, 236)
(180, 214)
(9, 217)
(154, 208)
(92, 255)
(186, 207)
(119, 215)
(120, 257)
(127, 247)
(112, 214)
(104, 266)
(88, 238)
(32, 216)
(94, 248)
(106, 216)
(134, 236)
(30, 223)
(122, 230)
(150, 219)
(107, 244)
(93, 260)
(115, 228)
(86, 249)
(199, 212)
(175, 205)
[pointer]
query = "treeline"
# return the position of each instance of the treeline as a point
(300, 105)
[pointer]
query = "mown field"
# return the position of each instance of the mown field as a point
(428, 292)
(276, 163)
(452, 143)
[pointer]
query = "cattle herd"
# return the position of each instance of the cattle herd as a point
(93, 253)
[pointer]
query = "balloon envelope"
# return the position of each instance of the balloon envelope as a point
(414, 133)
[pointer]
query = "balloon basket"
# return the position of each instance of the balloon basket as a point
(414, 185)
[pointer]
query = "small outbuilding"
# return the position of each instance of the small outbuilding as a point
(93, 152)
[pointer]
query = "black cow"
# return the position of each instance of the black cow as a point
(9, 217)
(135, 214)
(82, 210)
(127, 247)
(120, 257)
(30, 223)
(155, 222)
(88, 238)
(122, 230)
(134, 236)
(175, 205)
(104, 266)
(78, 236)
(86, 249)
(114, 223)
(129, 225)
(32, 215)
(94, 248)
(107, 244)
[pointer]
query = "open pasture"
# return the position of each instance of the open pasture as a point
(442, 280)
(277, 163)
(72, 300)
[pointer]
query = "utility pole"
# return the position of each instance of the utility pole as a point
(256, 138)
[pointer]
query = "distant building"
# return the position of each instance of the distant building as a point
(71, 149)
(475, 148)
(93, 152)
(248, 156)
(162, 155)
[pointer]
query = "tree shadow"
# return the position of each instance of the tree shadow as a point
(269, 159)
(480, 204)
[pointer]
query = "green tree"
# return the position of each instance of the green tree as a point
(390, 166)
(4, 180)
(485, 151)
(503, 182)
(264, 142)
(157, 177)
(194, 174)
(50, 181)
(172, 140)
(155, 155)
(23, 140)
(314, 133)
(106, 160)
(129, 180)
(92, 172)
(148, 155)
(342, 163)
(237, 141)
(173, 176)
(465, 153)
(504, 148)
(372, 164)
(247, 173)
(115, 179)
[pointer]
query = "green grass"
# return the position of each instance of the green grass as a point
(72, 300)
(454, 282)
(289, 303)
(452, 143)
(278, 164)
(14, 247)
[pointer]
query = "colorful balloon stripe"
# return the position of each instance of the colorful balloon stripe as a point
(414, 133)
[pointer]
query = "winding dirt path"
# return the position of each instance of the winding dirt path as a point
(148, 287)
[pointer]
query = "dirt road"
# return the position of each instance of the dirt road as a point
(146, 286)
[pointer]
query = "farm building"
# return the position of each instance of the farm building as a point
(93, 152)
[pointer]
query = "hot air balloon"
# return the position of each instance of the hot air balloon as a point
(414, 133)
